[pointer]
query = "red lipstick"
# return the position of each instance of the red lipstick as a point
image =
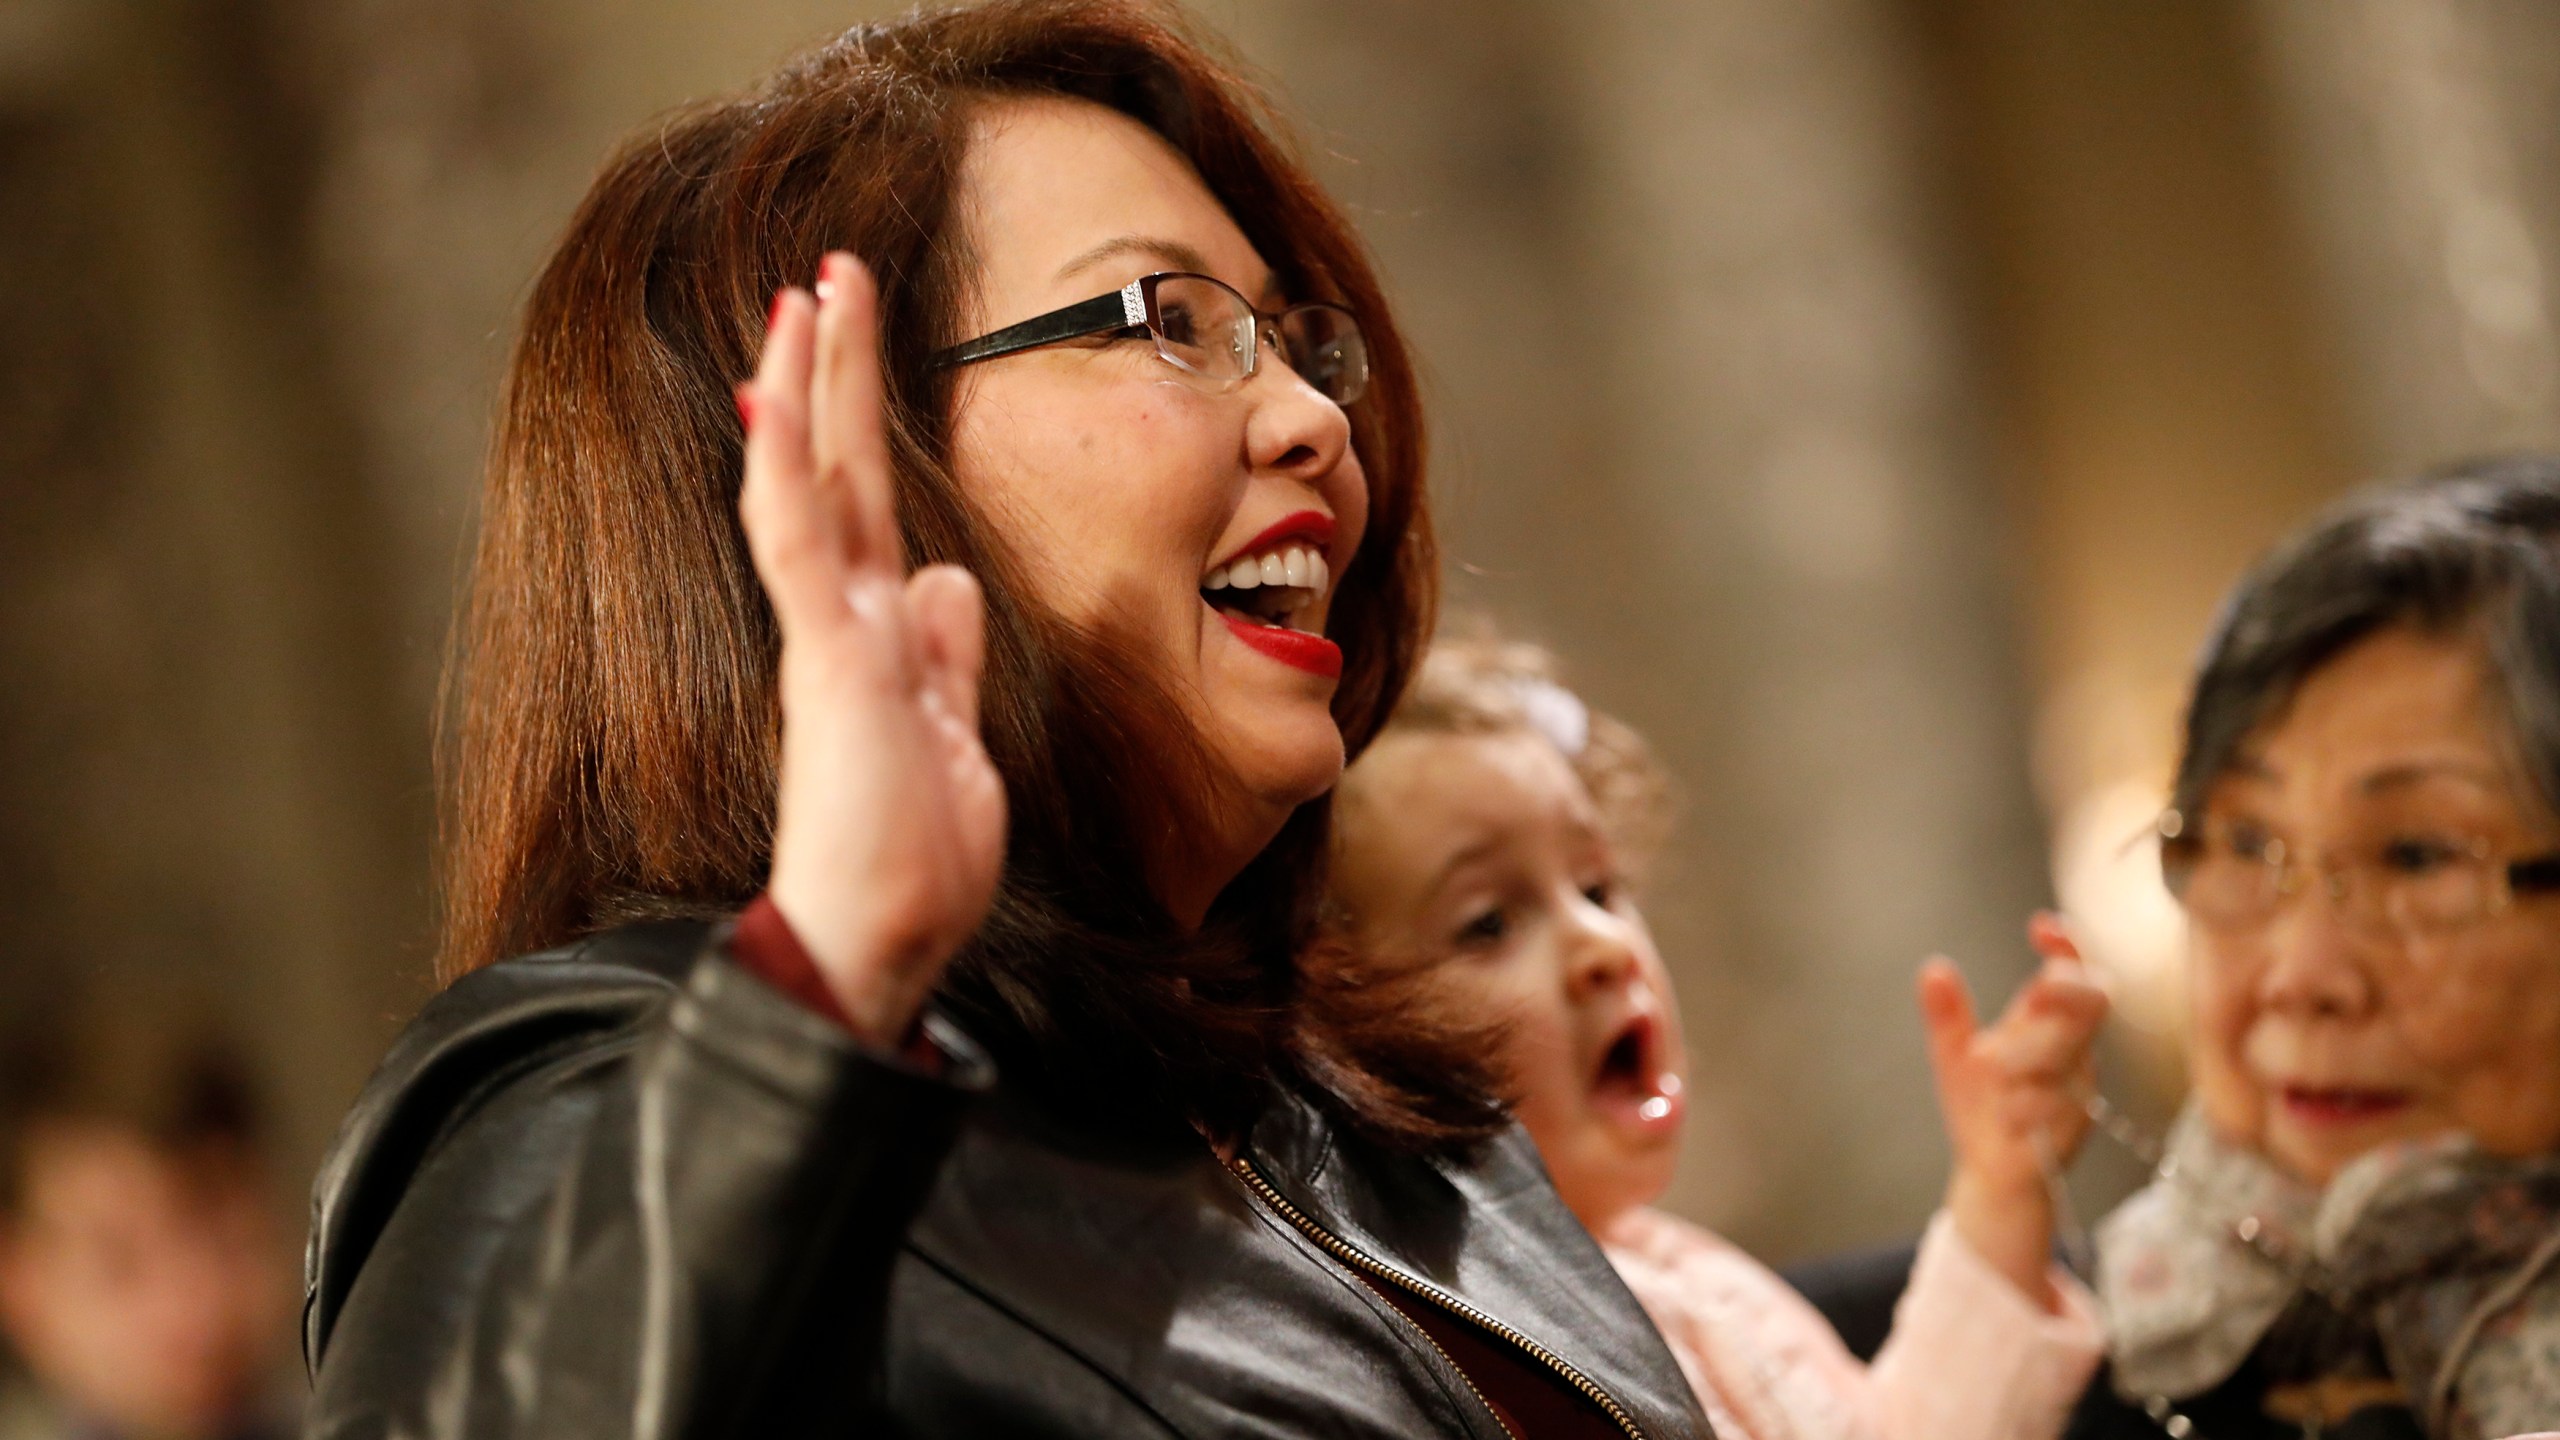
(2341, 1105)
(1313, 526)
(1312, 653)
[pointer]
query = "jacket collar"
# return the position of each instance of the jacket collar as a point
(1490, 1231)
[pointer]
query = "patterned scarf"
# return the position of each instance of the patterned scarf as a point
(2449, 1255)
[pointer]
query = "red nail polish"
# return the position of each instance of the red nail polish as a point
(773, 316)
(746, 407)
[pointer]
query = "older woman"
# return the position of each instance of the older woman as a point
(2357, 1220)
(2353, 1227)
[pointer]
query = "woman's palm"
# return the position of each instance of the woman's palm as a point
(890, 819)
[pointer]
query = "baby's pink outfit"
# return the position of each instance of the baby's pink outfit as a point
(1970, 1358)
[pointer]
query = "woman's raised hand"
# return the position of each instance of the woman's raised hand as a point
(2011, 1094)
(890, 821)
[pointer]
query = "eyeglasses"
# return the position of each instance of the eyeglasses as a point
(1200, 325)
(2233, 875)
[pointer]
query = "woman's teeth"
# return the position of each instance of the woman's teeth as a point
(1296, 567)
(1274, 588)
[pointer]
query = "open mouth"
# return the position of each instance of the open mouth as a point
(1271, 593)
(2341, 1104)
(1631, 1082)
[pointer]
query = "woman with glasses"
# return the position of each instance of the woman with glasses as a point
(2355, 1227)
(2353, 1230)
(903, 796)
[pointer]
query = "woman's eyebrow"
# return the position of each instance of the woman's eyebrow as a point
(1173, 252)
(2408, 773)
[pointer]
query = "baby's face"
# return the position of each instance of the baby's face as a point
(1483, 855)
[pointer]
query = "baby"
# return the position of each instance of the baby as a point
(1482, 854)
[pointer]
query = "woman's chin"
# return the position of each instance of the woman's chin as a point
(1283, 760)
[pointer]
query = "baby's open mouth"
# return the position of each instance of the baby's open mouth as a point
(1631, 1080)
(1623, 1062)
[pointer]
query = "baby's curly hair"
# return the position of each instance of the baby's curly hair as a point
(1476, 682)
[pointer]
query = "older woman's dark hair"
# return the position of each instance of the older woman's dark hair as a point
(2474, 549)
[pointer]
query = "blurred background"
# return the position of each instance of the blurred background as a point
(1869, 398)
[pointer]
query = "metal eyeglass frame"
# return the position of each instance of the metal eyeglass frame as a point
(1133, 307)
(2529, 874)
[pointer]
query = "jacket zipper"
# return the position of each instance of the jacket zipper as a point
(1342, 1250)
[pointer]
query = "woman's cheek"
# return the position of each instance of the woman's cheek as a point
(2449, 1026)
(2231, 1100)
(2494, 1044)
(1347, 490)
(2459, 1012)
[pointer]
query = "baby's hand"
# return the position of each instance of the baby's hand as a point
(2011, 1097)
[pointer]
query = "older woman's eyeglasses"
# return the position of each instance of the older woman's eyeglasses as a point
(1203, 326)
(2233, 874)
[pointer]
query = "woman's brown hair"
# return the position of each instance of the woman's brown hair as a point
(613, 752)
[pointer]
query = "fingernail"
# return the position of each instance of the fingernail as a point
(827, 279)
(773, 313)
(746, 407)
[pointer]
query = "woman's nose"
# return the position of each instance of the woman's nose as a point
(1292, 429)
(2316, 964)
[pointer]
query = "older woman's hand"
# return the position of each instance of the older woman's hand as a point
(889, 826)
(2011, 1097)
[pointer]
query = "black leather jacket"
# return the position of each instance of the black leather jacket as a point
(626, 1189)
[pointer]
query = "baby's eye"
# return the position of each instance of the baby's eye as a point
(1484, 929)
